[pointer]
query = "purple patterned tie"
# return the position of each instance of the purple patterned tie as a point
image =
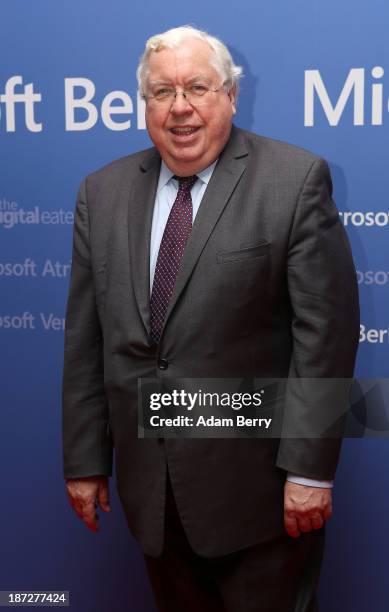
(177, 230)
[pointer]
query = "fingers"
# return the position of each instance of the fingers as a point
(306, 508)
(75, 505)
(291, 525)
(103, 498)
(89, 515)
(305, 524)
(85, 494)
(296, 526)
(327, 512)
(317, 521)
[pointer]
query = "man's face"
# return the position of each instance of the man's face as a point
(189, 138)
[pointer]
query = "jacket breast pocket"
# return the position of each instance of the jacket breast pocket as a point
(251, 252)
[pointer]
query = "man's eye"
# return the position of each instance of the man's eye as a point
(162, 92)
(198, 90)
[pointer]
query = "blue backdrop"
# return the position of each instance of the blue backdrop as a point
(314, 76)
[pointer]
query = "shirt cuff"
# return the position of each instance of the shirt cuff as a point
(310, 482)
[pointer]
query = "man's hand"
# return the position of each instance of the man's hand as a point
(305, 508)
(85, 494)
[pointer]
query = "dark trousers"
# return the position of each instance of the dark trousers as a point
(279, 575)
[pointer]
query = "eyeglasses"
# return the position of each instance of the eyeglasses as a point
(194, 94)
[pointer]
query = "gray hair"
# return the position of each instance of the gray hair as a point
(222, 60)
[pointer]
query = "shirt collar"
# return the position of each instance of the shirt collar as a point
(165, 174)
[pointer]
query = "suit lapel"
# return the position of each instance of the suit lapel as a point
(225, 177)
(141, 208)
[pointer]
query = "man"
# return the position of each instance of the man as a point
(217, 253)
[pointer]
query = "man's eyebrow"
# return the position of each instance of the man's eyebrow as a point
(160, 82)
(198, 77)
(193, 79)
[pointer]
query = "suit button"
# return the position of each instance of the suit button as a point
(163, 364)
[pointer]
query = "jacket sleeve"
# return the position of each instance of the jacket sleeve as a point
(87, 445)
(325, 329)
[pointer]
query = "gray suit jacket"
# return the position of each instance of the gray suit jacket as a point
(266, 288)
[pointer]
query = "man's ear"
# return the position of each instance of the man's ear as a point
(232, 94)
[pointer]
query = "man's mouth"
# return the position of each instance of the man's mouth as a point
(183, 131)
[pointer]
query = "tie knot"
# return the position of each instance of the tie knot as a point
(185, 182)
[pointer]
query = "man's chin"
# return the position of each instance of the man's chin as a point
(186, 156)
(186, 150)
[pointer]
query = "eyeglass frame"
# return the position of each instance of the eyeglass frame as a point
(173, 96)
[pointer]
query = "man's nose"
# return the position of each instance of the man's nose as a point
(180, 103)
